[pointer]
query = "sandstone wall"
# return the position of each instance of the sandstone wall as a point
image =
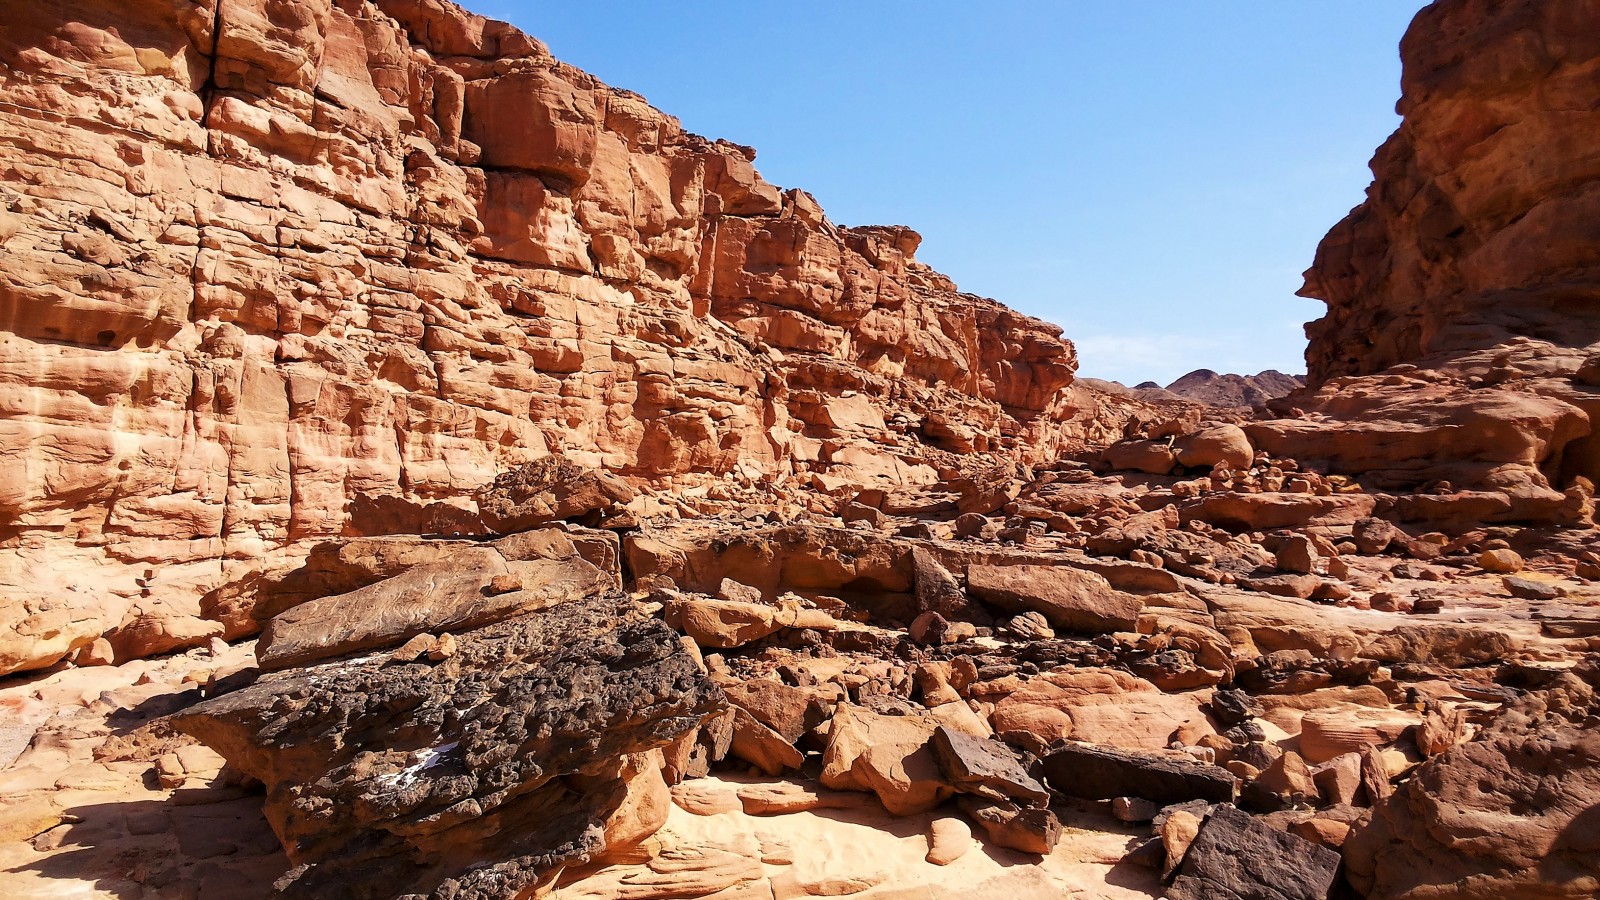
(1483, 221)
(264, 258)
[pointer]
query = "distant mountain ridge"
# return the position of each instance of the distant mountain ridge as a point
(1214, 389)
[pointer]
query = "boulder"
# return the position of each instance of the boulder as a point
(452, 594)
(550, 489)
(762, 747)
(985, 767)
(1025, 829)
(1335, 731)
(1070, 599)
(1236, 857)
(1151, 457)
(1102, 773)
(1213, 445)
(1100, 706)
(385, 779)
(722, 623)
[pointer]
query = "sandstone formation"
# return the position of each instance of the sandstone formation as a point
(277, 274)
(1457, 343)
(439, 475)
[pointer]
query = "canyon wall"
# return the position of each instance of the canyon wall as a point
(1483, 218)
(1460, 353)
(271, 268)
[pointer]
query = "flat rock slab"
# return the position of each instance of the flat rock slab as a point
(472, 777)
(984, 766)
(451, 594)
(1100, 773)
(1237, 857)
(1071, 599)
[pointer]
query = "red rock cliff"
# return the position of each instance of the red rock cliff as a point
(1483, 222)
(265, 258)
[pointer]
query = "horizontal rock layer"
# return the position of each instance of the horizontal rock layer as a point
(273, 266)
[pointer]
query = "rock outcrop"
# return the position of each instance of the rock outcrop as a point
(1480, 224)
(1515, 813)
(280, 272)
(1456, 352)
(472, 776)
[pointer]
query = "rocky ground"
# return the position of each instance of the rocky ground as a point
(1063, 688)
(431, 472)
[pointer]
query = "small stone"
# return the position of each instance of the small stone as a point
(1387, 601)
(504, 583)
(929, 628)
(970, 524)
(415, 648)
(1133, 809)
(98, 653)
(443, 648)
(1427, 606)
(1528, 589)
(1501, 561)
(738, 593)
(949, 839)
(1298, 555)
(1177, 833)
(1031, 626)
(169, 771)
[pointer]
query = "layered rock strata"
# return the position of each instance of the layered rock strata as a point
(273, 269)
(1460, 335)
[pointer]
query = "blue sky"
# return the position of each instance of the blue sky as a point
(1153, 177)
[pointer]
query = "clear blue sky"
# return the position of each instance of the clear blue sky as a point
(1153, 177)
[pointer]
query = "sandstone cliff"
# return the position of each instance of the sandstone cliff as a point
(1484, 214)
(283, 271)
(1460, 349)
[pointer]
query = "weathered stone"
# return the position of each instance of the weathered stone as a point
(449, 595)
(387, 779)
(1026, 829)
(1236, 857)
(949, 839)
(984, 766)
(1509, 814)
(1100, 773)
(1071, 599)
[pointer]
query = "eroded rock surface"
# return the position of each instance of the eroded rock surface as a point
(473, 776)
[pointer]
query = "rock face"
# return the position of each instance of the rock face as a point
(470, 777)
(1461, 324)
(270, 266)
(1480, 224)
(1515, 813)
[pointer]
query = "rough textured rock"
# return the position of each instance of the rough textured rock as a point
(472, 777)
(1460, 326)
(1466, 238)
(547, 490)
(1237, 857)
(1101, 773)
(1070, 599)
(270, 266)
(449, 595)
(1515, 813)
